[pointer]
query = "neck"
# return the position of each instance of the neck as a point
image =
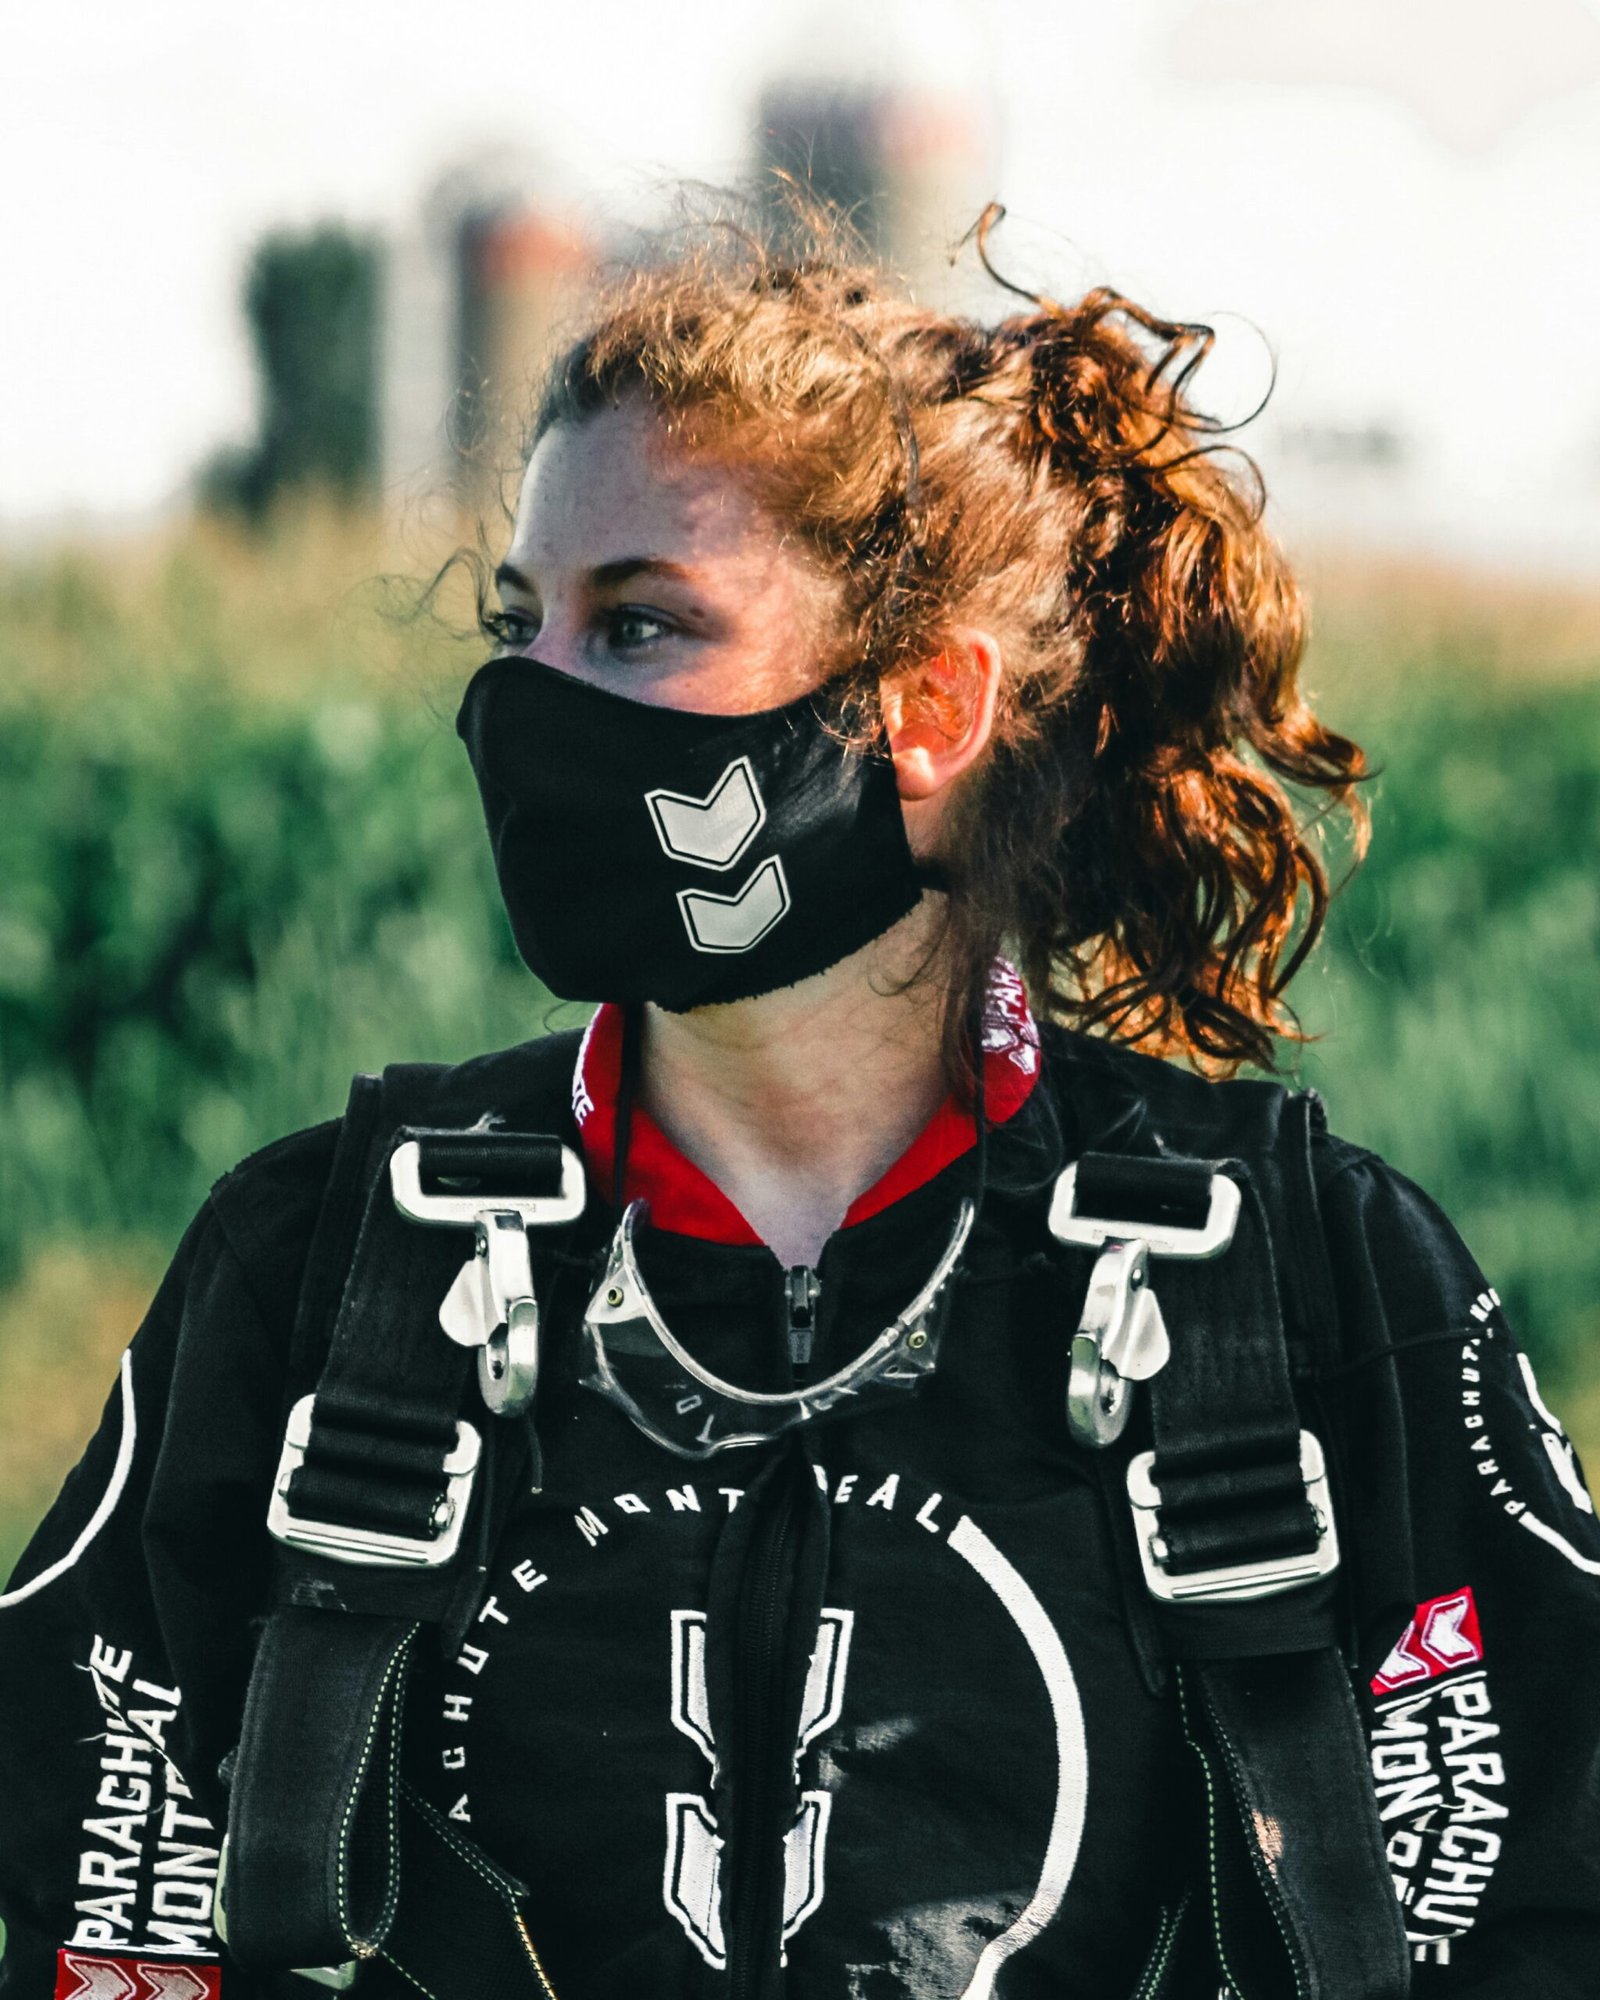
(767, 1095)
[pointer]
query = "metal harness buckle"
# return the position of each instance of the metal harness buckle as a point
(379, 1548)
(1163, 1239)
(1226, 1581)
(1122, 1338)
(405, 1177)
(491, 1306)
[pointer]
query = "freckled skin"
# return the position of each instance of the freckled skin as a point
(749, 629)
(765, 1095)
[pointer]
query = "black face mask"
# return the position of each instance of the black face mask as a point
(649, 853)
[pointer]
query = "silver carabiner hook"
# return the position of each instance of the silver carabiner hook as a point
(491, 1306)
(1122, 1340)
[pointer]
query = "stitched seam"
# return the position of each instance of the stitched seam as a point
(416, 1982)
(1156, 1959)
(393, 1896)
(1158, 1978)
(478, 1863)
(538, 1964)
(498, 1883)
(364, 1948)
(1155, 1970)
(1257, 1861)
(1229, 1981)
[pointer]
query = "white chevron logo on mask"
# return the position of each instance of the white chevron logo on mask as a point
(736, 923)
(714, 831)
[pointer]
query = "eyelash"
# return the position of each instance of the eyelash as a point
(516, 628)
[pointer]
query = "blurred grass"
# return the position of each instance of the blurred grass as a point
(242, 857)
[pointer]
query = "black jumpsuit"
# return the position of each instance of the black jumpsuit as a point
(908, 1616)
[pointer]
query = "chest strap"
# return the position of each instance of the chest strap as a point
(1234, 1523)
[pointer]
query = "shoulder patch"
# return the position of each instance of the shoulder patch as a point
(1442, 1636)
(84, 1975)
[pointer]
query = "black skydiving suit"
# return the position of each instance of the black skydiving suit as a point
(981, 1772)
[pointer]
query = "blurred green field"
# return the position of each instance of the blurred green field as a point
(241, 856)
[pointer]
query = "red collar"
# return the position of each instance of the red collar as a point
(689, 1203)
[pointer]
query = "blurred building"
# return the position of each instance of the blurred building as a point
(910, 163)
(484, 286)
(479, 291)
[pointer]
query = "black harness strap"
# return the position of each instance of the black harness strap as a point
(1293, 1830)
(320, 1833)
(1226, 1430)
(1302, 1900)
(313, 1863)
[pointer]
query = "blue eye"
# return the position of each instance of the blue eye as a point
(633, 616)
(510, 628)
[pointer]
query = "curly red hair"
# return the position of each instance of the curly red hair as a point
(1128, 839)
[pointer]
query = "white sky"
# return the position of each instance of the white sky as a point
(1402, 194)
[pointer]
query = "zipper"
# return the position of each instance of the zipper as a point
(756, 1849)
(800, 1288)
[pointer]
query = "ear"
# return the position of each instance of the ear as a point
(939, 714)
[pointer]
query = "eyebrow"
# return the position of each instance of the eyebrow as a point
(605, 574)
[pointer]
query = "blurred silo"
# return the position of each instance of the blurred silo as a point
(912, 163)
(481, 288)
(519, 270)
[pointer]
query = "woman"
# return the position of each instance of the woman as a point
(812, 1563)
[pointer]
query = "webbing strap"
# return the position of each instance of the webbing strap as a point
(317, 1880)
(321, 1830)
(491, 1163)
(313, 1828)
(385, 1416)
(1223, 1413)
(313, 1845)
(1302, 1898)
(1144, 1190)
(391, 1388)
(1292, 1826)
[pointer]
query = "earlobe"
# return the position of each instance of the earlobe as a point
(939, 716)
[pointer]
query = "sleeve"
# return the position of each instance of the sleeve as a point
(126, 1641)
(1482, 1686)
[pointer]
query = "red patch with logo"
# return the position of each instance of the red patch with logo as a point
(1442, 1636)
(82, 1975)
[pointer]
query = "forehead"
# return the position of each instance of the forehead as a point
(615, 486)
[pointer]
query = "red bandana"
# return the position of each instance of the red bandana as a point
(689, 1203)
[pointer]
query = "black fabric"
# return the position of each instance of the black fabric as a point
(461, 1931)
(1298, 1867)
(313, 1816)
(526, 1163)
(313, 1862)
(552, 1721)
(389, 1396)
(1230, 1484)
(1287, 1804)
(1116, 1188)
(719, 855)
